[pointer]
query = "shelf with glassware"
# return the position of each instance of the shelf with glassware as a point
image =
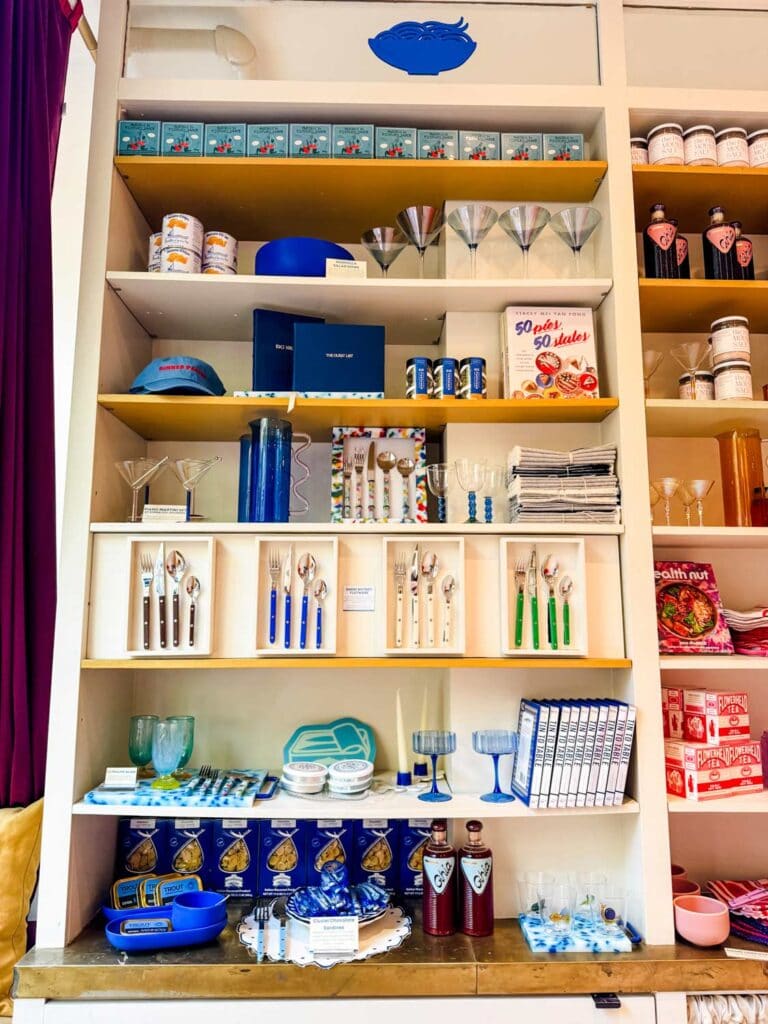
(710, 537)
(691, 305)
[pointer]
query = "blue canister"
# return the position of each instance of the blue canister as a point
(446, 376)
(418, 377)
(266, 473)
(472, 381)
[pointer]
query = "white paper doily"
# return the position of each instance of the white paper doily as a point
(381, 937)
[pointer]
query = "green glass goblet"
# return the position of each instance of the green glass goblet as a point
(140, 743)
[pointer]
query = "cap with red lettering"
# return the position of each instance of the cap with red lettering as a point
(178, 375)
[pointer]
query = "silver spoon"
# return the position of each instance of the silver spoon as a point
(321, 592)
(549, 573)
(193, 590)
(429, 568)
(405, 467)
(448, 587)
(176, 566)
(566, 586)
(386, 461)
(306, 569)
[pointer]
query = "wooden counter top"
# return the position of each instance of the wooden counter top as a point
(500, 965)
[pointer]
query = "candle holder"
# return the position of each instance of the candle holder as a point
(497, 743)
(434, 743)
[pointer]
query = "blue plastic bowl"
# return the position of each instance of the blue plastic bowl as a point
(298, 257)
(198, 910)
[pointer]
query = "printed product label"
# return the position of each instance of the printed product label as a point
(477, 872)
(732, 151)
(700, 146)
(662, 235)
(722, 236)
(681, 245)
(665, 146)
(439, 871)
(730, 339)
(743, 252)
(758, 152)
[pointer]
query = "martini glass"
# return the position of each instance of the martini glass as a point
(497, 743)
(434, 743)
(421, 225)
(189, 473)
(524, 224)
(495, 484)
(687, 499)
(667, 487)
(654, 497)
(699, 489)
(140, 743)
(138, 474)
(651, 362)
(690, 355)
(437, 481)
(167, 752)
(574, 226)
(472, 223)
(471, 476)
(385, 245)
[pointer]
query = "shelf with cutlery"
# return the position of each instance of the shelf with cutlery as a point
(521, 664)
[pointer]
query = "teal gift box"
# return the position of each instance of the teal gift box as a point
(396, 143)
(352, 141)
(310, 140)
(479, 145)
(138, 138)
(436, 144)
(225, 140)
(181, 138)
(521, 146)
(265, 140)
(565, 146)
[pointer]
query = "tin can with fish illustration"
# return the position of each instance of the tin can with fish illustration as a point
(446, 377)
(175, 260)
(219, 249)
(184, 230)
(154, 258)
(418, 377)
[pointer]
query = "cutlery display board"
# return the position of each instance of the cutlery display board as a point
(448, 615)
(199, 556)
(361, 490)
(568, 554)
(271, 595)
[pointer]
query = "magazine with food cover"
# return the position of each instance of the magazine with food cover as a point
(689, 611)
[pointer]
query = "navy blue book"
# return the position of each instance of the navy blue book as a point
(273, 348)
(338, 359)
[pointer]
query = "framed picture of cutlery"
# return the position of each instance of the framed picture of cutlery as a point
(424, 587)
(543, 597)
(297, 583)
(379, 474)
(171, 592)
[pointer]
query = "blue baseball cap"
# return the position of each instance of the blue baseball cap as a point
(178, 375)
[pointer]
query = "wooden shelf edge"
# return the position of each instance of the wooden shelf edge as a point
(335, 663)
(597, 167)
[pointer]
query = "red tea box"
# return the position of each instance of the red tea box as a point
(745, 765)
(714, 716)
(689, 611)
(672, 705)
(697, 771)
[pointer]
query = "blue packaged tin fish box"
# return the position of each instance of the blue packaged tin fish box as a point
(142, 847)
(190, 845)
(235, 861)
(414, 835)
(282, 856)
(329, 839)
(377, 848)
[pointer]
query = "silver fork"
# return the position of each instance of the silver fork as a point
(520, 577)
(347, 497)
(400, 568)
(147, 575)
(262, 911)
(359, 460)
(275, 562)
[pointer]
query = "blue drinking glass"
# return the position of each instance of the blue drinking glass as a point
(244, 480)
(497, 743)
(434, 743)
(270, 477)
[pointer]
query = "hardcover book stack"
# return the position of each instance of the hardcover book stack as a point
(578, 486)
(573, 753)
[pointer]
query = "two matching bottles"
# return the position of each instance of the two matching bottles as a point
(458, 887)
(728, 254)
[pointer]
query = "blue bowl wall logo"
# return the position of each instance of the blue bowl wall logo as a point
(424, 47)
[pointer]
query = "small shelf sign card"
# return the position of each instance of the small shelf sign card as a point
(424, 47)
(334, 935)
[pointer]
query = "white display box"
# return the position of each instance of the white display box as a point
(569, 553)
(199, 553)
(448, 631)
(326, 553)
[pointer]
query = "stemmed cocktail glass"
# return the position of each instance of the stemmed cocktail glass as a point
(651, 363)
(385, 244)
(189, 473)
(690, 355)
(167, 752)
(497, 743)
(470, 474)
(574, 226)
(421, 225)
(140, 743)
(472, 223)
(699, 489)
(524, 224)
(434, 743)
(667, 487)
(437, 480)
(138, 474)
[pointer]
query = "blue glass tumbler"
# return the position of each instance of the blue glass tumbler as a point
(244, 480)
(270, 476)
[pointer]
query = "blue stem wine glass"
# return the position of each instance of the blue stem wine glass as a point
(497, 743)
(434, 743)
(470, 474)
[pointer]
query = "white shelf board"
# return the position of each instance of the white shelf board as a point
(723, 107)
(356, 529)
(710, 537)
(678, 417)
(383, 805)
(205, 307)
(712, 663)
(749, 803)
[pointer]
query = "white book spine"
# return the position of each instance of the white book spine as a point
(605, 758)
(626, 751)
(557, 770)
(549, 755)
(578, 754)
(570, 750)
(538, 757)
(613, 772)
(597, 753)
(589, 749)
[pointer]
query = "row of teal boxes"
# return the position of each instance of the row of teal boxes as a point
(349, 141)
(249, 857)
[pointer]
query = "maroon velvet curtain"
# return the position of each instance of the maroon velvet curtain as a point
(34, 49)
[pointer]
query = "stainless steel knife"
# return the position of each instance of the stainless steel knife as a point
(415, 576)
(533, 593)
(160, 590)
(287, 583)
(371, 482)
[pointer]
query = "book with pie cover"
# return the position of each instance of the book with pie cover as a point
(689, 611)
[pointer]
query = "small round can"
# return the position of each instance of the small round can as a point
(446, 378)
(176, 260)
(219, 248)
(218, 268)
(418, 377)
(472, 381)
(182, 229)
(155, 252)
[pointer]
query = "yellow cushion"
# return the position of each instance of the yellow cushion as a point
(19, 860)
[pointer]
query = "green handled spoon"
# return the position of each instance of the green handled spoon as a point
(566, 586)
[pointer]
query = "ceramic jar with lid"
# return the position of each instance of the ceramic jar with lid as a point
(733, 380)
(730, 340)
(665, 145)
(699, 146)
(638, 148)
(732, 148)
(701, 381)
(758, 148)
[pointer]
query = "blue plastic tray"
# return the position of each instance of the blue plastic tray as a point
(122, 915)
(162, 940)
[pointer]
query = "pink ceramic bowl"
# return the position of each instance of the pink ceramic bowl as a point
(678, 871)
(685, 887)
(701, 920)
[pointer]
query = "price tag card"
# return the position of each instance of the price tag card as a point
(120, 778)
(345, 268)
(338, 935)
(359, 599)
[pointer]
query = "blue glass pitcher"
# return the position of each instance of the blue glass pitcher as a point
(264, 489)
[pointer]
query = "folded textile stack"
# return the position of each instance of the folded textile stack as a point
(749, 631)
(578, 486)
(748, 905)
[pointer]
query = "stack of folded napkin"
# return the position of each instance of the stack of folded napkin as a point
(578, 486)
(749, 631)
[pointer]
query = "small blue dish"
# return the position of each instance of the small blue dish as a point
(162, 940)
(298, 257)
(197, 910)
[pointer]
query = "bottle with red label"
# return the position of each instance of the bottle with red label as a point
(439, 882)
(744, 266)
(681, 251)
(718, 244)
(476, 883)
(659, 250)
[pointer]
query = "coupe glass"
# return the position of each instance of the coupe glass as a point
(497, 743)
(574, 226)
(472, 223)
(699, 489)
(138, 474)
(189, 473)
(385, 245)
(651, 362)
(434, 743)
(140, 743)
(437, 481)
(470, 474)
(524, 224)
(495, 484)
(421, 225)
(654, 498)
(167, 752)
(690, 355)
(667, 487)
(687, 499)
(187, 723)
